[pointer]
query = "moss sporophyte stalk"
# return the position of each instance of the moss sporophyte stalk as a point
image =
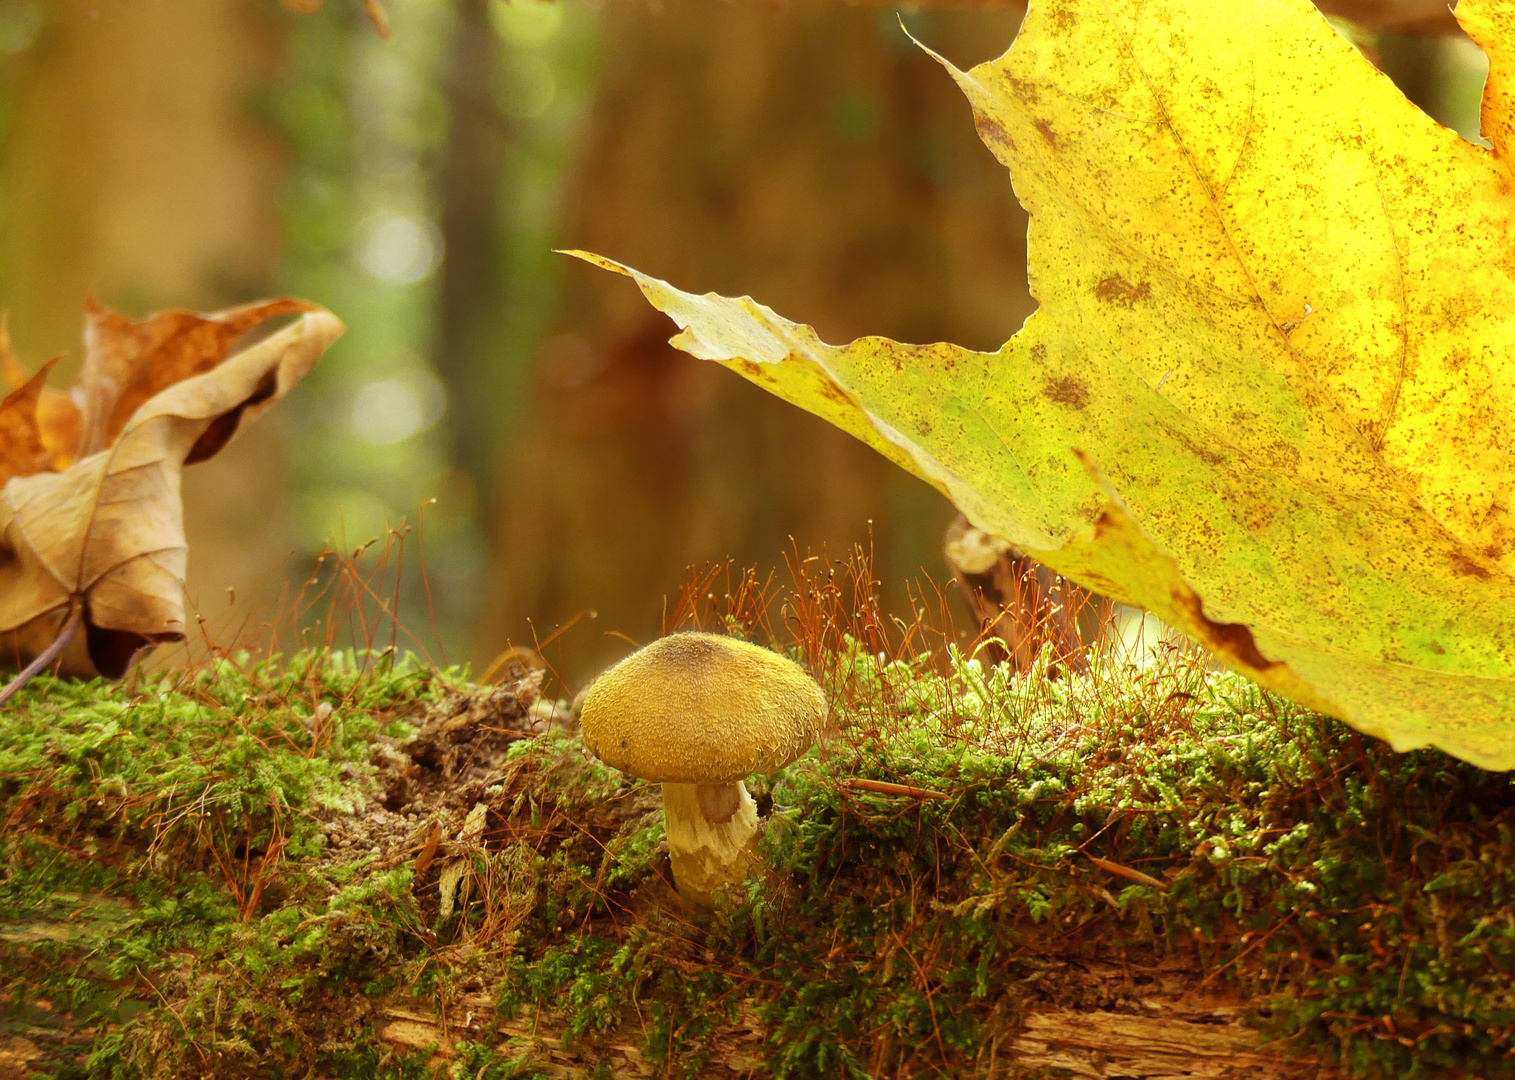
(216, 874)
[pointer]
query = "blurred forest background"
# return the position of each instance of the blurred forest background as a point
(200, 153)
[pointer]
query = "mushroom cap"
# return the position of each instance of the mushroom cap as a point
(697, 708)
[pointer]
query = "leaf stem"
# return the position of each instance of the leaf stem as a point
(66, 634)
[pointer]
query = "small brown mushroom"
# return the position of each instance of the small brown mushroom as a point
(699, 713)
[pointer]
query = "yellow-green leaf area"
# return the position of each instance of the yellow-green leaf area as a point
(1268, 390)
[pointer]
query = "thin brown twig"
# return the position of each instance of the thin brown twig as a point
(884, 787)
(66, 634)
(431, 608)
(1126, 872)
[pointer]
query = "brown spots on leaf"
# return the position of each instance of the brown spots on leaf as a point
(1207, 454)
(1025, 90)
(1233, 639)
(832, 392)
(1117, 290)
(1067, 391)
(1258, 519)
(1046, 132)
(1452, 316)
(1467, 567)
(990, 130)
(1283, 455)
(1039, 353)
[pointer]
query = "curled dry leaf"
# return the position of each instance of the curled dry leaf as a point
(22, 450)
(90, 514)
(54, 416)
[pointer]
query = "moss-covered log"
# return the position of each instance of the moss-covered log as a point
(345, 866)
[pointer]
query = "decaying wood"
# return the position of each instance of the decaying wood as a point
(1204, 1039)
(1206, 1044)
(471, 1017)
(1102, 1009)
(39, 1036)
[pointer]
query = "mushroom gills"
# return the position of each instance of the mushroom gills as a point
(711, 831)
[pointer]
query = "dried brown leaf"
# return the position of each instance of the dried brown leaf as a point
(57, 415)
(22, 450)
(108, 531)
(127, 361)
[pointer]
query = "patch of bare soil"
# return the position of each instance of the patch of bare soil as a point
(435, 779)
(452, 792)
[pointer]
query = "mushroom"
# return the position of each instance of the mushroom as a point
(698, 713)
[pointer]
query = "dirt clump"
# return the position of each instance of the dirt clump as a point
(427, 785)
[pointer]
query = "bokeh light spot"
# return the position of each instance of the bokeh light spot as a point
(525, 87)
(20, 25)
(526, 23)
(393, 409)
(399, 249)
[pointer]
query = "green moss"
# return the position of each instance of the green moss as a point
(181, 817)
(1360, 899)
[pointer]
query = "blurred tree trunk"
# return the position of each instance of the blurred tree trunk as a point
(806, 154)
(134, 173)
(473, 229)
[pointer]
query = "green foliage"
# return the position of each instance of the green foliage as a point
(368, 1058)
(483, 1062)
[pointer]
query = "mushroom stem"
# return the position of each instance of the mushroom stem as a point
(711, 830)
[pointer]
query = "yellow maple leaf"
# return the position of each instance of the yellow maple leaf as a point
(1269, 392)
